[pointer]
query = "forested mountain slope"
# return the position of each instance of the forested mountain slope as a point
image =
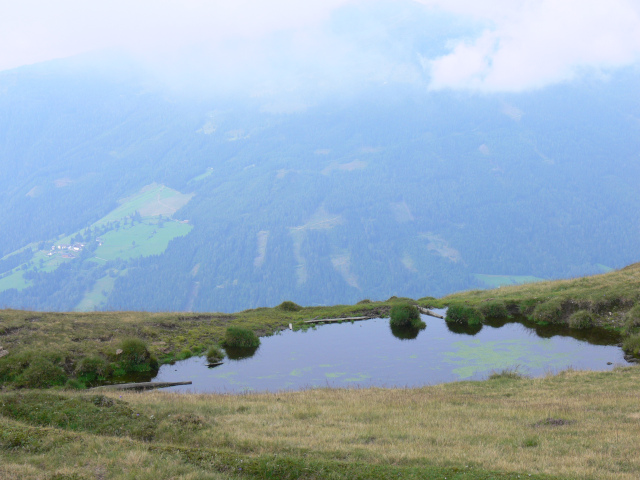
(390, 190)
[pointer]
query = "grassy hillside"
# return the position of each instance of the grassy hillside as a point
(608, 296)
(571, 425)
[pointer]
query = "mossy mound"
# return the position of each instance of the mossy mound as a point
(32, 369)
(93, 369)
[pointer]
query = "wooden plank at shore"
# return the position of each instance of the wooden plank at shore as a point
(426, 311)
(141, 385)
(331, 320)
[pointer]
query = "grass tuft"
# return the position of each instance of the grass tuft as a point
(632, 321)
(288, 306)
(506, 374)
(214, 354)
(238, 337)
(631, 344)
(581, 319)
(406, 316)
(464, 315)
(92, 370)
(135, 357)
(549, 312)
(495, 309)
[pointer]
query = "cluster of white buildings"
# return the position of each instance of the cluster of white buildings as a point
(76, 247)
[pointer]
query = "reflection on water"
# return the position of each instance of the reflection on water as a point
(240, 353)
(369, 353)
(405, 333)
(464, 329)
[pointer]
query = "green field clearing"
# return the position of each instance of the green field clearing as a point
(495, 281)
(202, 176)
(49, 263)
(143, 239)
(140, 240)
(153, 199)
(15, 280)
(97, 296)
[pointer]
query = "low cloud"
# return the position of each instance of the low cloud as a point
(290, 50)
(532, 44)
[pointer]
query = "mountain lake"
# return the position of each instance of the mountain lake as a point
(368, 353)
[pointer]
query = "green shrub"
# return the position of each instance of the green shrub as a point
(363, 302)
(214, 354)
(549, 312)
(240, 337)
(581, 319)
(632, 321)
(92, 369)
(288, 306)
(495, 310)
(632, 344)
(41, 373)
(406, 315)
(135, 357)
(464, 315)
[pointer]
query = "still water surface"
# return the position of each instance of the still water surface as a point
(368, 353)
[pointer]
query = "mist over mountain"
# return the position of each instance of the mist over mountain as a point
(329, 172)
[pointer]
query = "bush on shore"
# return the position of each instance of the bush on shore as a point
(214, 354)
(464, 315)
(495, 309)
(135, 357)
(240, 337)
(549, 312)
(406, 315)
(632, 344)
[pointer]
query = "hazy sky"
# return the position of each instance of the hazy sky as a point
(520, 44)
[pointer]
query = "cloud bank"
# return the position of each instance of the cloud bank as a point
(290, 46)
(537, 43)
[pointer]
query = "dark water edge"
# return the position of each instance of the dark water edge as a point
(369, 353)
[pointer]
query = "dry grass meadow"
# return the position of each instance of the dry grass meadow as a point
(571, 425)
